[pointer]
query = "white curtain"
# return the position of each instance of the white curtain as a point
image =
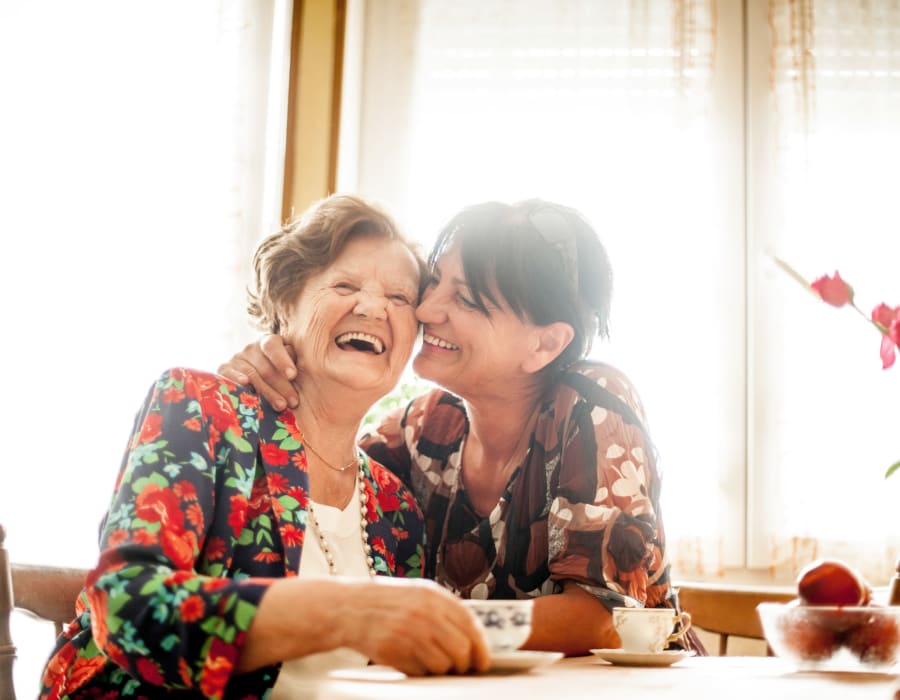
(700, 138)
(825, 414)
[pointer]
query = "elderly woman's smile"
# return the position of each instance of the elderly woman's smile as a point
(360, 341)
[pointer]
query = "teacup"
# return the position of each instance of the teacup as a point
(506, 623)
(649, 630)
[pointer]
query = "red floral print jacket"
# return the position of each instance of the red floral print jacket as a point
(209, 507)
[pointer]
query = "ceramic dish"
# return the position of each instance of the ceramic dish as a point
(620, 657)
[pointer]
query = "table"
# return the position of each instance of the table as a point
(728, 677)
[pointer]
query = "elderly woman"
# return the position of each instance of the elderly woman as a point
(534, 469)
(246, 548)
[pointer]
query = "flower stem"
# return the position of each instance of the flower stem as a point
(881, 329)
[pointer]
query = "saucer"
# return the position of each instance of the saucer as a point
(620, 657)
(514, 661)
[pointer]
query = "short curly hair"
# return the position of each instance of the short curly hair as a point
(285, 260)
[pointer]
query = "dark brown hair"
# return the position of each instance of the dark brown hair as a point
(546, 261)
(284, 261)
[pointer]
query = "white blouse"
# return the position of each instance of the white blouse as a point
(299, 677)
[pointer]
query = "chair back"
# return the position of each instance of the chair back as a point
(44, 592)
(729, 610)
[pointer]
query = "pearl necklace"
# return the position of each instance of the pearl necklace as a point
(362, 499)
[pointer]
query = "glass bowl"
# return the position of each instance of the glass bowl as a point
(831, 637)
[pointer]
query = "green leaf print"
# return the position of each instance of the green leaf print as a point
(240, 444)
(156, 479)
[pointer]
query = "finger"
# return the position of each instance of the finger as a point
(279, 354)
(231, 371)
(458, 647)
(433, 657)
(478, 656)
(280, 394)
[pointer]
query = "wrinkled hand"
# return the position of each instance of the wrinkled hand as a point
(417, 627)
(269, 366)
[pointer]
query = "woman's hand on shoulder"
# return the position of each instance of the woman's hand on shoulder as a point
(415, 626)
(269, 366)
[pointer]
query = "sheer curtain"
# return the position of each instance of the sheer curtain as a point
(136, 177)
(701, 138)
(612, 108)
(825, 412)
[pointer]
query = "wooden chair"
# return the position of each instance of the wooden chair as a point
(729, 610)
(44, 592)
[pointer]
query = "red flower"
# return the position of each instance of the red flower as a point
(185, 490)
(144, 537)
(83, 670)
(888, 322)
(250, 400)
(277, 482)
(211, 585)
(237, 516)
(178, 577)
(151, 429)
(885, 319)
(291, 536)
(222, 413)
(179, 547)
(117, 537)
(148, 669)
(299, 495)
(267, 557)
(158, 505)
(195, 516)
(192, 424)
(192, 608)
(273, 454)
(215, 548)
(259, 498)
(172, 395)
(833, 290)
(217, 669)
(887, 352)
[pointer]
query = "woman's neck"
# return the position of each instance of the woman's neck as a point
(497, 424)
(331, 424)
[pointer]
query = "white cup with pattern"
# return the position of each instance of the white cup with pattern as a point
(506, 623)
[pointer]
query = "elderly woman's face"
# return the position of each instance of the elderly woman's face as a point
(354, 321)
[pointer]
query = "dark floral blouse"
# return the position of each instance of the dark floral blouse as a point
(209, 508)
(583, 506)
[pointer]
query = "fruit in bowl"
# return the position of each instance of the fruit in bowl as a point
(864, 637)
(832, 623)
(831, 582)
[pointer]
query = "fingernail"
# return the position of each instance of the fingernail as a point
(290, 372)
(294, 403)
(279, 405)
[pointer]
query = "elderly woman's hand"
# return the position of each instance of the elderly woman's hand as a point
(414, 625)
(418, 627)
(268, 365)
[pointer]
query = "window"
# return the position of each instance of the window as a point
(136, 180)
(699, 143)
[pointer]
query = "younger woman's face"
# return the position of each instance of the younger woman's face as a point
(464, 350)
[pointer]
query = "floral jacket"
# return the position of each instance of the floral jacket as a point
(209, 508)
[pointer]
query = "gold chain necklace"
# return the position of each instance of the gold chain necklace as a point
(355, 462)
